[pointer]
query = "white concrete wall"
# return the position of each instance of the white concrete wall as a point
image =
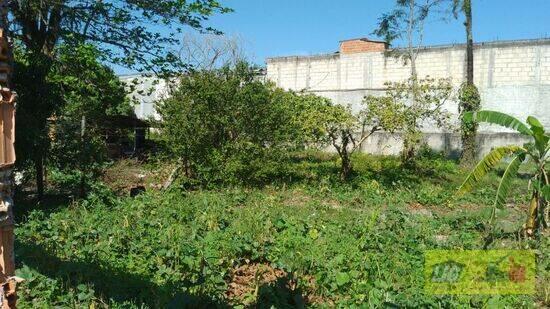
(147, 91)
(513, 77)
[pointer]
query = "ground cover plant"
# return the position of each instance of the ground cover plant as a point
(307, 241)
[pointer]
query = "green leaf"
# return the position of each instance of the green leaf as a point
(541, 140)
(506, 181)
(498, 118)
(534, 122)
(342, 279)
(545, 192)
(485, 165)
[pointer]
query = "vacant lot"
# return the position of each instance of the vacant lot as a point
(307, 240)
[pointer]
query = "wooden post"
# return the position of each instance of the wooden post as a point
(8, 281)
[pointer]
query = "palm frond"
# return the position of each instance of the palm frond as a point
(506, 181)
(498, 118)
(485, 165)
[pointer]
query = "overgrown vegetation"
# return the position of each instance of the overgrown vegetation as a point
(315, 241)
(469, 101)
(536, 151)
(121, 32)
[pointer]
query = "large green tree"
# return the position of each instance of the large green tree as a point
(137, 34)
(82, 88)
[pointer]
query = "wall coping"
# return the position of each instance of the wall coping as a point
(458, 46)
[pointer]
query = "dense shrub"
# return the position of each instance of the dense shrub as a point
(227, 127)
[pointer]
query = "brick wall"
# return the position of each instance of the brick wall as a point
(361, 46)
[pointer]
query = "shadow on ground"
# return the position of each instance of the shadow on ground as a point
(110, 283)
(121, 287)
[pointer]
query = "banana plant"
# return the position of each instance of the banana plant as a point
(536, 151)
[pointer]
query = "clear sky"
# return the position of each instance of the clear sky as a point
(302, 27)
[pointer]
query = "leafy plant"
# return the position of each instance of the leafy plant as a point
(228, 127)
(408, 106)
(470, 101)
(536, 151)
(344, 129)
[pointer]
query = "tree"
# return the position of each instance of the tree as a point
(225, 126)
(469, 98)
(80, 87)
(91, 93)
(428, 108)
(465, 6)
(211, 51)
(342, 129)
(537, 152)
(134, 34)
(406, 22)
(325, 123)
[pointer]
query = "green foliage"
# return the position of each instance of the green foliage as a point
(125, 33)
(90, 92)
(470, 101)
(341, 244)
(38, 99)
(227, 127)
(536, 151)
(397, 23)
(134, 34)
(408, 106)
(346, 130)
(76, 85)
(500, 119)
(506, 182)
(88, 87)
(486, 165)
(406, 22)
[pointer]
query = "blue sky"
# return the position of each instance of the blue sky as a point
(302, 27)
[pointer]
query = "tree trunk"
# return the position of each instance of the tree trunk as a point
(39, 170)
(469, 42)
(345, 156)
(410, 38)
(468, 132)
(531, 224)
(408, 146)
(346, 169)
(8, 280)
